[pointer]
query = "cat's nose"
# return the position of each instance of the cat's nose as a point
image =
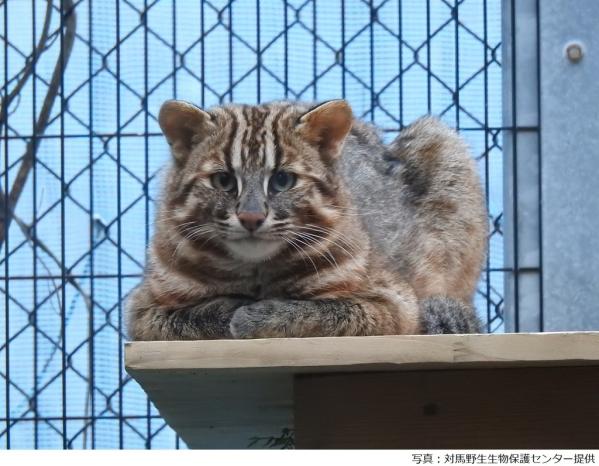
(251, 221)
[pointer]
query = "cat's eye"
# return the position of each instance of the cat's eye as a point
(282, 181)
(223, 181)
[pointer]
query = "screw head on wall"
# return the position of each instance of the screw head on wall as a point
(574, 51)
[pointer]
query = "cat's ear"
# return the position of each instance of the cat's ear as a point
(183, 125)
(327, 126)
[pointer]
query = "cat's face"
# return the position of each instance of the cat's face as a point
(254, 180)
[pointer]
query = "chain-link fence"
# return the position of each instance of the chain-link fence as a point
(82, 151)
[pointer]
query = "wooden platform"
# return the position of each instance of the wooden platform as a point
(444, 391)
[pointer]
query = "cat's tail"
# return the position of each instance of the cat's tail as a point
(447, 315)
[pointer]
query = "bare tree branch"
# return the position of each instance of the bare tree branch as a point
(69, 278)
(30, 63)
(9, 200)
(8, 203)
(28, 232)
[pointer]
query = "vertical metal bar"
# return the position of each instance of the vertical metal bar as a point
(7, 212)
(174, 26)
(231, 52)
(202, 64)
(457, 62)
(371, 31)
(314, 56)
(343, 84)
(91, 326)
(487, 174)
(286, 44)
(62, 236)
(514, 132)
(119, 221)
(428, 57)
(146, 182)
(400, 31)
(521, 237)
(34, 228)
(540, 165)
(259, 53)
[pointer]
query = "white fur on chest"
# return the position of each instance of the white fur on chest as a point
(254, 250)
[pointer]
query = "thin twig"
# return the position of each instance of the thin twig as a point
(30, 63)
(69, 278)
(8, 204)
(9, 199)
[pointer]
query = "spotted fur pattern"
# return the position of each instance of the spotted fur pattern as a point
(370, 240)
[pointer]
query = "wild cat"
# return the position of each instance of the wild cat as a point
(291, 220)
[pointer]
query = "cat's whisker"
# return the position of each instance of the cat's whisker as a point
(325, 236)
(331, 231)
(186, 227)
(171, 215)
(186, 231)
(167, 211)
(334, 243)
(355, 213)
(275, 227)
(191, 234)
(195, 234)
(211, 237)
(302, 254)
(341, 207)
(304, 241)
(353, 209)
(176, 251)
(173, 221)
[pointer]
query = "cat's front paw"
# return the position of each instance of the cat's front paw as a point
(262, 319)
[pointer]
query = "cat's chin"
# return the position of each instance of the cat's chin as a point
(254, 249)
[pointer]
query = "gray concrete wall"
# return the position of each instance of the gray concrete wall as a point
(551, 165)
(570, 165)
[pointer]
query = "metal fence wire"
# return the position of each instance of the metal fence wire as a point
(81, 154)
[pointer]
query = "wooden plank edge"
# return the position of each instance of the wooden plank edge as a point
(396, 352)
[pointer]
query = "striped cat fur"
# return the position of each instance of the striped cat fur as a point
(292, 220)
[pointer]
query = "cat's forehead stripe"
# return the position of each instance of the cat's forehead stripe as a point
(269, 152)
(258, 142)
(284, 145)
(238, 132)
(233, 123)
(247, 132)
(257, 137)
(250, 133)
(274, 129)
